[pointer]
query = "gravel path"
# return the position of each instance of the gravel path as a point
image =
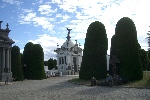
(58, 88)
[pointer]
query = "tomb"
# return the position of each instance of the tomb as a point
(5, 54)
(69, 57)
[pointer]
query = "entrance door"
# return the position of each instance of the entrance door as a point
(75, 64)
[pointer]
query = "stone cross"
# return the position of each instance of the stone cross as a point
(7, 25)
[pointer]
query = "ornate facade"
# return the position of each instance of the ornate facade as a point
(5, 54)
(69, 57)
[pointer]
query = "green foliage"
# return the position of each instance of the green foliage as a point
(112, 52)
(27, 59)
(125, 47)
(94, 53)
(50, 64)
(37, 63)
(55, 64)
(21, 56)
(33, 58)
(144, 59)
(45, 63)
(16, 63)
(148, 67)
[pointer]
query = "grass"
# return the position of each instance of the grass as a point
(145, 82)
(79, 81)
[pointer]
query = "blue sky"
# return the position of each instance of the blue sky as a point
(45, 21)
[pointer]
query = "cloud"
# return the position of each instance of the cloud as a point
(44, 22)
(40, 1)
(49, 44)
(80, 14)
(29, 16)
(108, 12)
(58, 15)
(16, 2)
(46, 10)
(2, 5)
(57, 1)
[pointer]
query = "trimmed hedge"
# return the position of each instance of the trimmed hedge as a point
(126, 48)
(33, 57)
(16, 67)
(94, 62)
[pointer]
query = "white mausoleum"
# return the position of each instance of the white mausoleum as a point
(5, 54)
(69, 57)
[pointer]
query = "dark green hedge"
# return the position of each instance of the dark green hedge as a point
(127, 50)
(16, 67)
(94, 53)
(33, 57)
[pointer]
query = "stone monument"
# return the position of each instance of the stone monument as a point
(5, 54)
(69, 57)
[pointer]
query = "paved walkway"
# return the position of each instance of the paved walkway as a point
(58, 88)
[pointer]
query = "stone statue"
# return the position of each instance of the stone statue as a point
(69, 31)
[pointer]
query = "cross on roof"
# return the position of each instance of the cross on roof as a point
(7, 25)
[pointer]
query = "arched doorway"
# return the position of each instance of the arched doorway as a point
(75, 64)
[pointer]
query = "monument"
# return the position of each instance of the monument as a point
(69, 57)
(5, 54)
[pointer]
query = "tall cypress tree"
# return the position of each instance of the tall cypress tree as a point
(37, 63)
(144, 59)
(50, 64)
(112, 52)
(126, 49)
(94, 53)
(27, 53)
(16, 63)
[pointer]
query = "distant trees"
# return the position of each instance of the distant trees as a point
(94, 53)
(16, 64)
(144, 59)
(33, 58)
(52, 63)
(55, 64)
(45, 63)
(148, 67)
(125, 47)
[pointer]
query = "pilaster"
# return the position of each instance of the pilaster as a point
(7, 62)
(3, 60)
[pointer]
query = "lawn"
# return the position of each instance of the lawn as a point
(145, 82)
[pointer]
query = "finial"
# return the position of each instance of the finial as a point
(68, 37)
(76, 41)
(79, 44)
(0, 24)
(7, 26)
(57, 45)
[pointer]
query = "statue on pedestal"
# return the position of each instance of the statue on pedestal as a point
(69, 31)
(68, 37)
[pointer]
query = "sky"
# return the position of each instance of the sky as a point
(44, 22)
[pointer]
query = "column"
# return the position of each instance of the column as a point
(10, 60)
(3, 60)
(7, 65)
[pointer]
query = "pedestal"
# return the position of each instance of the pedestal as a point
(5, 75)
(60, 73)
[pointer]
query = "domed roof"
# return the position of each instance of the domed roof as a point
(70, 44)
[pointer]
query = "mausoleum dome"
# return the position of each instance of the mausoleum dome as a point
(70, 44)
